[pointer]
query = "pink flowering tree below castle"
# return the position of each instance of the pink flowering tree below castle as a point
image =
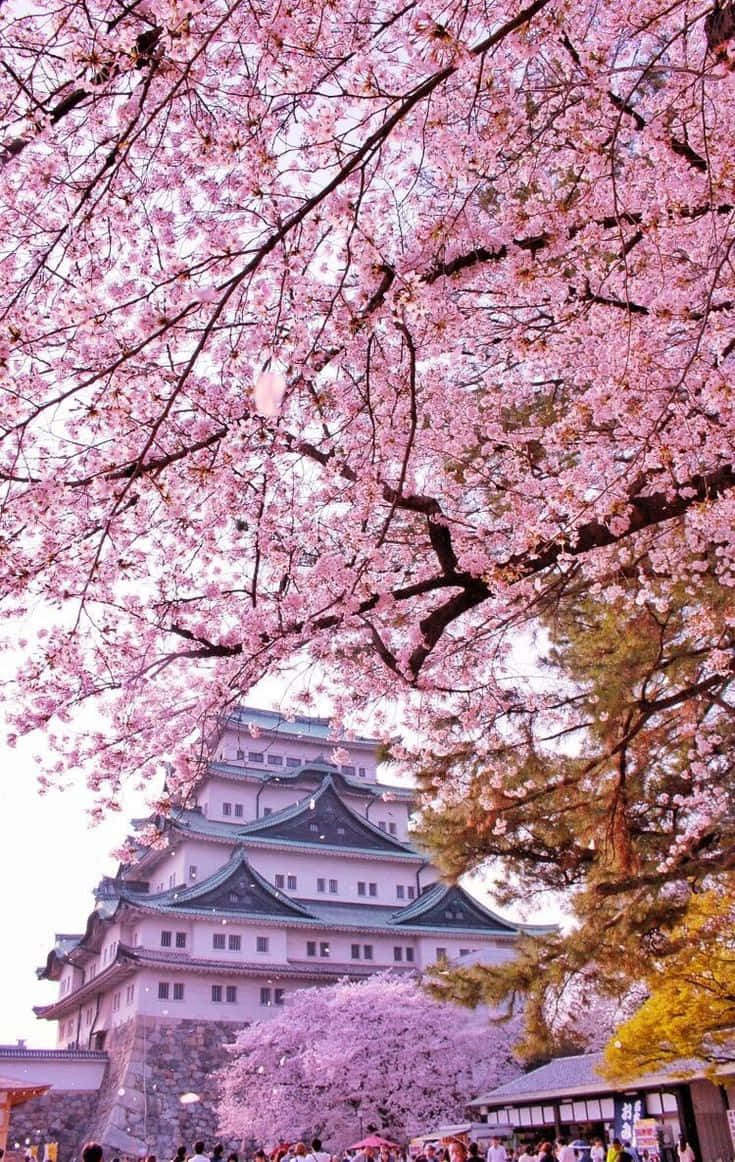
(351, 1058)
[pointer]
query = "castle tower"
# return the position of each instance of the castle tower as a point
(288, 871)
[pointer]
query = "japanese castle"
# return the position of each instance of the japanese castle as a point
(285, 870)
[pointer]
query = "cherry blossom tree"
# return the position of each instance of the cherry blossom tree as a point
(347, 1058)
(365, 338)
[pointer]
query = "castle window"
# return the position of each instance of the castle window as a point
(234, 898)
(381, 825)
(393, 828)
(280, 882)
(355, 951)
(314, 827)
(181, 939)
(265, 996)
(321, 885)
(464, 951)
(234, 942)
(165, 940)
(293, 763)
(361, 888)
(400, 892)
(279, 996)
(372, 889)
(267, 811)
(311, 947)
(291, 883)
(367, 952)
(227, 808)
(217, 993)
(129, 994)
(192, 871)
(231, 994)
(240, 753)
(256, 756)
(324, 948)
(261, 943)
(178, 991)
(218, 940)
(341, 831)
(398, 953)
(238, 810)
(361, 772)
(411, 892)
(409, 955)
(333, 887)
(441, 954)
(115, 1002)
(275, 760)
(163, 990)
(347, 769)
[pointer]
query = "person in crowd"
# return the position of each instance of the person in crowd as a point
(496, 1151)
(367, 1154)
(565, 1152)
(151, 1158)
(457, 1151)
(613, 1150)
(527, 1155)
(179, 1156)
(473, 1154)
(545, 1152)
(92, 1152)
(429, 1153)
(597, 1150)
(317, 1154)
(199, 1155)
(684, 1150)
(217, 1153)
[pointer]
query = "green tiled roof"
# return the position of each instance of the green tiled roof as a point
(234, 888)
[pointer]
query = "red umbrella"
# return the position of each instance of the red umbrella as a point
(374, 1140)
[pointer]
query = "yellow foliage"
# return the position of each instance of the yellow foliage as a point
(690, 1012)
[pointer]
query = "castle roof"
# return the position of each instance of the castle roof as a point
(235, 888)
(237, 891)
(449, 906)
(320, 820)
(310, 770)
(297, 726)
(326, 819)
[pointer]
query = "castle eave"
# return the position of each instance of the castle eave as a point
(118, 971)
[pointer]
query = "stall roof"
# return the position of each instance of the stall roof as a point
(570, 1076)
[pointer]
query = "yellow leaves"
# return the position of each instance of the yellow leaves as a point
(690, 1012)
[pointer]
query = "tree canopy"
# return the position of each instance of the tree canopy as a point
(341, 1060)
(369, 337)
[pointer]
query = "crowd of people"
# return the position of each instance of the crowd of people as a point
(455, 1150)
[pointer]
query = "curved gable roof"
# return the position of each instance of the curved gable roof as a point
(236, 887)
(448, 906)
(324, 818)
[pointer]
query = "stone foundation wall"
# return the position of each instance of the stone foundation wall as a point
(152, 1063)
(137, 1110)
(57, 1116)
